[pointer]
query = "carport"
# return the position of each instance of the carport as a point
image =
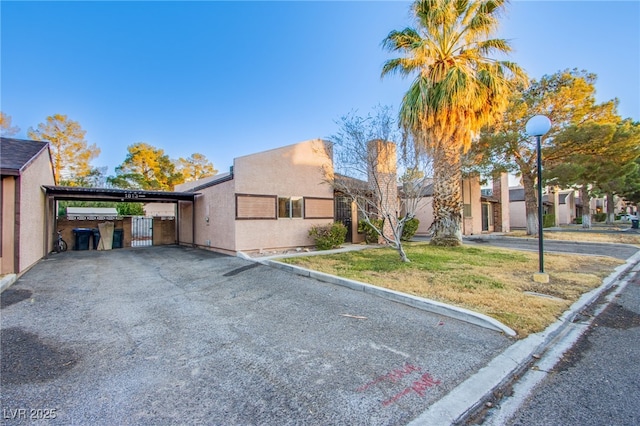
(68, 193)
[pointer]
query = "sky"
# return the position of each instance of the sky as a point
(227, 79)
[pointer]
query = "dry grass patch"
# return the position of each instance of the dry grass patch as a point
(489, 280)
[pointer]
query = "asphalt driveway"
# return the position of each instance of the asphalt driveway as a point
(172, 335)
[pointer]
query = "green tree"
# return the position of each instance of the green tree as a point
(71, 154)
(195, 167)
(146, 167)
(458, 88)
(568, 99)
(6, 129)
(620, 163)
(631, 191)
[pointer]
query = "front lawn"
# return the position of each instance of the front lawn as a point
(489, 280)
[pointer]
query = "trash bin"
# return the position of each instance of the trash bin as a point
(635, 223)
(96, 238)
(81, 238)
(117, 238)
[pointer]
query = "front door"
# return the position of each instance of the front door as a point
(343, 214)
(486, 216)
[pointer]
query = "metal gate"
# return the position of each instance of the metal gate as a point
(141, 231)
(343, 214)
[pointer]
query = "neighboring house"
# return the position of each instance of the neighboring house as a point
(517, 208)
(482, 212)
(268, 200)
(567, 207)
(25, 166)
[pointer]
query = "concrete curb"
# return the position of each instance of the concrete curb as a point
(463, 401)
(7, 281)
(406, 299)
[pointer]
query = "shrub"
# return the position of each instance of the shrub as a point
(410, 229)
(548, 220)
(578, 220)
(370, 234)
(599, 217)
(327, 237)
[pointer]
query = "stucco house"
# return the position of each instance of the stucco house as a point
(566, 207)
(517, 208)
(25, 166)
(268, 200)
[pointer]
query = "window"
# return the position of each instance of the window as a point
(290, 207)
(255, 206)
(466, 210)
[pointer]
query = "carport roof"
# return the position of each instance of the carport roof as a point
(113, 194)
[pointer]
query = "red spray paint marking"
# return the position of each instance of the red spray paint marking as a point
(393, 376)
(419, 387)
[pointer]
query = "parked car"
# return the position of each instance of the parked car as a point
(628, 217)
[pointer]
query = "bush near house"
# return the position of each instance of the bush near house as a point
(548, 220)
(328, 236)
(599, 217)
(578, 220)
(370, 234)
(410, 229)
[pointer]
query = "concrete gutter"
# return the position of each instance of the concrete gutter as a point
(463, 401)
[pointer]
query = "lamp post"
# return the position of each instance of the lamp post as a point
(537, 126)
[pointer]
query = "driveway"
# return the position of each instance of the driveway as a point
(172, 335)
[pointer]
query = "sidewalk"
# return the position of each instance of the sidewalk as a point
(482, 387)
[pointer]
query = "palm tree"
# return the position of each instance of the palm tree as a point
(457, 90)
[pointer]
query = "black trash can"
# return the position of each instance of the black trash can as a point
(118, 236)
(81, 238)
(96, 238)
(635, 223)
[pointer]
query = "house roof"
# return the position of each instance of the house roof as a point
(17, 154)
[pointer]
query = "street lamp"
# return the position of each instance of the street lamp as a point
(537, 126)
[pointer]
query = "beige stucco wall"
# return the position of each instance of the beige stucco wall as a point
(215, 217)
(294, 170)
(8, 198)
(471, 195)
(567, 211)
(31, 219)
(517, 214)
(185, 223)
(424, 213)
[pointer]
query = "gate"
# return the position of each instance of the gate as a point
(343, 214)
(141, 231)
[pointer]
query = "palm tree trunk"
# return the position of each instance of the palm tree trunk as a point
(447, 204)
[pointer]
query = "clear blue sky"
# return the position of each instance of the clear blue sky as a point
(228, 79)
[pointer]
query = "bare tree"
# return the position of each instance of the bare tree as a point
(384, 179)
